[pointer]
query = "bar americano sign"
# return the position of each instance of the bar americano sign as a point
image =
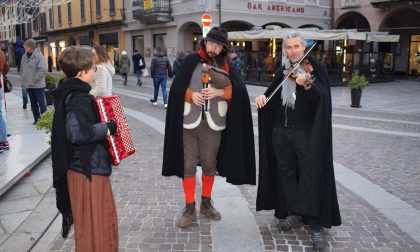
(275, 8)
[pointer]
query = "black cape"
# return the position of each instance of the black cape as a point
(317, 197)
(236, 156)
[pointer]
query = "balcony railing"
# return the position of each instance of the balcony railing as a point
(152, 12)
(388, 3)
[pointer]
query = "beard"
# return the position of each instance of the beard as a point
(211, 54)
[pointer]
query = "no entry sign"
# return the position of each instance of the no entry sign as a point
(206, 19)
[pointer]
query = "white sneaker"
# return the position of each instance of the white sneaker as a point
(153, 102)
(166, 105)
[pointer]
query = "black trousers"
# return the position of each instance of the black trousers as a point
(291, 149)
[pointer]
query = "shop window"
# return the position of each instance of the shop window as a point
(110, 42)
(138, 44)
(414, 58)
(159, 40)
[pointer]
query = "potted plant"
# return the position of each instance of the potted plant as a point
(45, 122)
(50, 85)
(356, 84)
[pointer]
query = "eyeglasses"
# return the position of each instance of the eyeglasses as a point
(94, 68)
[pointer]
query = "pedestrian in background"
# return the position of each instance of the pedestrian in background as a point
(102, 81)
(296, 161)
(235, 61)
(50, 63)
(32, 77)
(80, 155)
(4, 69)
(139, 64)
(19, 51)
(212, 137)
(178, 62)
(160, 69)
(124, 66)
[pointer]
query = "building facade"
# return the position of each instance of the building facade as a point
(176, 25)
(395, 17)
(81, 22)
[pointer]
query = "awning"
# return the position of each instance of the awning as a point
(382, 38)
(313, 34)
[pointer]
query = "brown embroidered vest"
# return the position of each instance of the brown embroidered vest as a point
(217, 107)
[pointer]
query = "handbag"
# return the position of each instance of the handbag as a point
(144, 72)
(8, 86)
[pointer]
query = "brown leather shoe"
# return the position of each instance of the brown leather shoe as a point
(208, 209)
(188, 215)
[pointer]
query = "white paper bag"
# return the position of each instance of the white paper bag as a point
(145, 72)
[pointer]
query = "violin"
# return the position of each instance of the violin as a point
(304, 68)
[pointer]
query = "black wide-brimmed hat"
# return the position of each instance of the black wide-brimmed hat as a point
(218, 35)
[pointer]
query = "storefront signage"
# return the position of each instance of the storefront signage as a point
(202, 2)
(275, 8)
(147, 4)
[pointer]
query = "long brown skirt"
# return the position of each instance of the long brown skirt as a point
(94, 213)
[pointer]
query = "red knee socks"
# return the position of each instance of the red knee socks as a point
(208, 182)
(189, 189)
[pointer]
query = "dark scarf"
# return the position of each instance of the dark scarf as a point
(61, 148)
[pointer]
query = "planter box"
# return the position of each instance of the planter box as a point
(356, 95)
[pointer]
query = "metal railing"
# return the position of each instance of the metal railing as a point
(158, 6)
(259, 67)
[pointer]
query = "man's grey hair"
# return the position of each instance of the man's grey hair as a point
(294, 34)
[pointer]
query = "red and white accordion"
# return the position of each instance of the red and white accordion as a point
(121, 144)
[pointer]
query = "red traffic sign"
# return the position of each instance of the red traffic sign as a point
(206, 19)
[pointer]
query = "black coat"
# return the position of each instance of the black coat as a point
(236, 156)
(320, 196)
(136, 61)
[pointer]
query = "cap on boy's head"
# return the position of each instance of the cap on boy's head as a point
(124, 52)
(31, 43)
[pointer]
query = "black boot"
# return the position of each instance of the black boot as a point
(290, 222)
(67, 222)
(318, 238)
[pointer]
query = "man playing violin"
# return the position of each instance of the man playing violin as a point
(296, 173)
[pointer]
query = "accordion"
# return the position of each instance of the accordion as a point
(121, 144)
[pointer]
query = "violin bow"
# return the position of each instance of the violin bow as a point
(295, 66)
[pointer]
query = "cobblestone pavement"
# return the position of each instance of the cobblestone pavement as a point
(149, 204)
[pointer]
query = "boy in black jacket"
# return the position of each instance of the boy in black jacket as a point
(80, 157)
